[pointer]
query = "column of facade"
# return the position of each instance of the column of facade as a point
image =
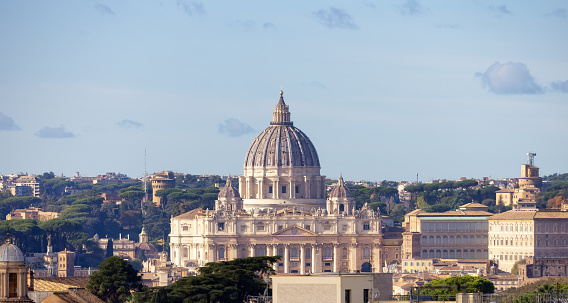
(260, 188)
(22, 283)
(178, 248)
(318, 189)
(252, 252)
(308, 191)
(292, 189)
(202, 259)
(378, 260)
(286, 258)
(274, 253)
(276, 189)
(353, 257)
(302, 259)
(212, 252)
(315, 264)
(335, 257)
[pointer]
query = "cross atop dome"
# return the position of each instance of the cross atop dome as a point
(281, 115)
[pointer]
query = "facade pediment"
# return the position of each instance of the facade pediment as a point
(294, 230)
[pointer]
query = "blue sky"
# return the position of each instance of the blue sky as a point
(384, 89)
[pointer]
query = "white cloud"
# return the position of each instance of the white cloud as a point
(561, 86)
(7, 123)
(54, 132)
(191, 7)
(129, 124)
(561, 13)
(509, 78)
(501, 10)
(234, 128)
(411, 8)
(103, 9)
(335, 18)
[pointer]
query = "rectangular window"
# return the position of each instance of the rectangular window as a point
(327, 227)
(260, 227)
(280, 227)
(365, 295)
(327, 264)
(221, 226)
(345, 227)
(308, 227)
(283, 189)
(297, 189)
(185, 228)
(348, 296)
(270, 189)
(243, 228)
(366, 226)
(12, 285)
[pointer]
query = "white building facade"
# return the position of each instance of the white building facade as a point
(283, 211)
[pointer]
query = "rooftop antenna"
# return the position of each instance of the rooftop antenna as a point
(416, 178)
(145, 200)
(531, 158)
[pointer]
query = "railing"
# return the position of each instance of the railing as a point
(552, 296)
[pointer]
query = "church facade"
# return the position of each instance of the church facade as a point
(281, 208)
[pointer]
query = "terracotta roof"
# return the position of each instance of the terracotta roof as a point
(59, 283)
(76, 295)
(505, 190)
(473, 204)
(530, 215)
(514, 215)
(192, 214)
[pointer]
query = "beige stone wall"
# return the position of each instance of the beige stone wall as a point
(316, 293)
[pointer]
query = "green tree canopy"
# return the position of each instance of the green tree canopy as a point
(227, 282)
(455, 285)
(115, 280)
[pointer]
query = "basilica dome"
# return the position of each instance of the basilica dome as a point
(282, 144)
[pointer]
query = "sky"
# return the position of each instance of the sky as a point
(384, 89)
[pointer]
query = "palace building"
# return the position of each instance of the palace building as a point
(281, 208)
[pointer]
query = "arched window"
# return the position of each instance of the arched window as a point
(281, 252)
(260, 252)
(465, 240)
(431, 253)
(243, 253)
(445, 254)
(458, 240)
(366, 252)
(341, 207)
(452, 254)
(221, 253)
(445, 240)
(431, 240)
(438, 240)
(438, 253)
(344, 254)
(452, 240)
(424, 240)
(327, 252)
(465, 254)
(424, 254)
(308, 253)
(458, 254)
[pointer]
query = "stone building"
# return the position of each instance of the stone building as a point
(283, 211)
(163, 180)
(457, 234)
(523, 197)
(544, 267)
(520, 234)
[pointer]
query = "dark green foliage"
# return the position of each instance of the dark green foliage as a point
(559, 189)
(455, 285)
(115, 280)
(227, 281)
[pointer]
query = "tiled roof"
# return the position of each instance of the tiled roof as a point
(59, 283)
(76, 295)
(190, 214)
